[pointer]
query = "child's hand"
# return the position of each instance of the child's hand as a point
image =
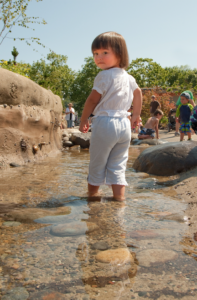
(84, 126)
(135, 119)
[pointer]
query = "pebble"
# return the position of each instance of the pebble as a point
(14, 165)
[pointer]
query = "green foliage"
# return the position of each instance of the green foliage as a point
(12, 13)
(147, 73)
(20, 68)
(164, 120)
(83, 83)
(56, 75)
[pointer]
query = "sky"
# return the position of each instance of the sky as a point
(164, 30)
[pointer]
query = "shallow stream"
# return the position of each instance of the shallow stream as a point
(53, 238)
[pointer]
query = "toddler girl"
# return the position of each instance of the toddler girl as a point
(110, 99)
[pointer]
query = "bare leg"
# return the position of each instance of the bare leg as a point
(182, 136)
(118, 192)
(177, 127)
(92, 189)
(189, 135)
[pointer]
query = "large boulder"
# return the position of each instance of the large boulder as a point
(30, 118)
(168, 159)
(82, 139)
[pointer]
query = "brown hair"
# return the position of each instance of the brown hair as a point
(158, 112)
(116, 42)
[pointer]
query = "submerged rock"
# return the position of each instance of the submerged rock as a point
(155, 256)
(101, 245)
(150, 142)
(73, 229)
(47, 295)
(168, 159)
(118, 256)
(31, 214)
(11, 224)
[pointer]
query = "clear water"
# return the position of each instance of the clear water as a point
(65, 265)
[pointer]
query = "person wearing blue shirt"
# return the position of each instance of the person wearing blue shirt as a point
(183, 112)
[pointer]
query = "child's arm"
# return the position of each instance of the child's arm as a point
(90, 104)
(157, 128)
(137, 106)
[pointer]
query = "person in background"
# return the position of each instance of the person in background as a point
(191, 101)
(70, 115)
(184, 112)
(151, 126)
(154, 105)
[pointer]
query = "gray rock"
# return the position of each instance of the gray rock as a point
(65, 139)
(168, 159)
(18, 293)
(11, 223)
(82, 139)
(151, 142)
(101, 245)
(67, 144)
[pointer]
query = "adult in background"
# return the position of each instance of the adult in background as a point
(70, 115)
(154, 105)
(191, 101)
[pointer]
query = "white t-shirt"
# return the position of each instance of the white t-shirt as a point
(68, 115)
(116, 87)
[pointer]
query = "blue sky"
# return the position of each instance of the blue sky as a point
(162, 30)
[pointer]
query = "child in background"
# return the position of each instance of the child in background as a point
(184, 111)
(111, 97)
(151, 126)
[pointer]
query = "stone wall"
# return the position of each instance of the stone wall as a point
(30, 119)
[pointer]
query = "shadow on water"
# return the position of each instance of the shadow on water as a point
(57, 243)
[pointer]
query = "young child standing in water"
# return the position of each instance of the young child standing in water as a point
(113, 92)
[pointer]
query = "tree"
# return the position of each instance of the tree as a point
(13, 12)
(83, 83)
(56, 75)
(14, 54)
(147, 72)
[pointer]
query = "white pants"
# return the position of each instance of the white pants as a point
(109, 144)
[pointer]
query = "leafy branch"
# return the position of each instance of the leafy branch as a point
(12, 13)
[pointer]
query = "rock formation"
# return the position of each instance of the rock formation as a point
(30, 119)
